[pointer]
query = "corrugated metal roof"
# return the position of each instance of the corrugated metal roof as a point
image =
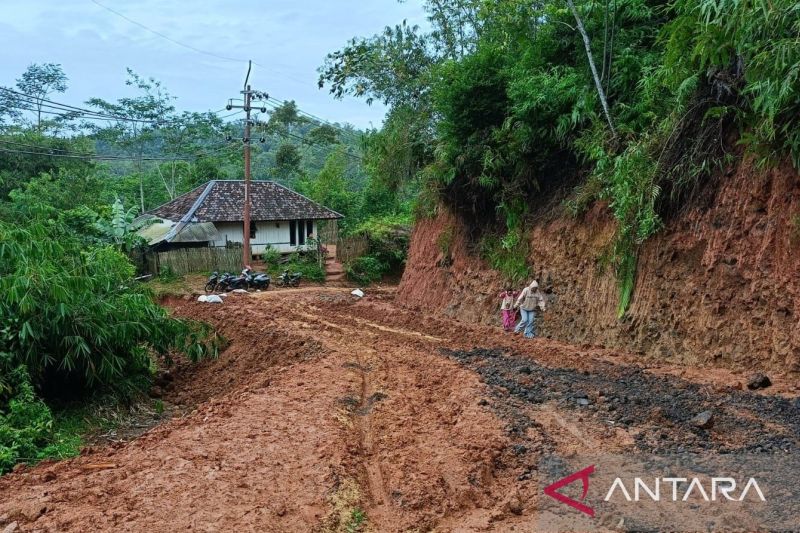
(162, 230)
(197, 232)
(155, 233)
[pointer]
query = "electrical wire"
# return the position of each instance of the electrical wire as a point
(58, 108)
(95, 157)
(305, 141)
(275, 102)
(44, 102)
(39, 147)
(284, 66)
(50, 152)
(219, 56)
(170, 39)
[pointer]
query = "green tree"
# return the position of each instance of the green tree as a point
(188, 133)
(38, 82)
(287, 162)
(323, 135)
(18, 167)
(139, 116)
(285, 116)
(391, 66)
(330, 188)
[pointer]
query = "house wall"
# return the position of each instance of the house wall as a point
(272, 233)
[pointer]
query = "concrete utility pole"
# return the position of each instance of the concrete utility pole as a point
(249, 96)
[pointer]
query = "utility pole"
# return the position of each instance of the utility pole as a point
(249, 96)
(246, 256)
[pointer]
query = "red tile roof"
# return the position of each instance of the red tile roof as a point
(225, 200)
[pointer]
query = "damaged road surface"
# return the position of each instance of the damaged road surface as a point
(330, 413)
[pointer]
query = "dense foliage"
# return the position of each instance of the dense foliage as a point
(387, 239)
(635, 102)
(73, 320)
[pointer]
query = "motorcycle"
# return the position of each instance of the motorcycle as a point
(289, 280)
(237, 282)
(213, 281)
(258, 281)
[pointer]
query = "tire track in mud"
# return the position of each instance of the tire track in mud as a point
(362, 361)
(397, 364)
(362, 415)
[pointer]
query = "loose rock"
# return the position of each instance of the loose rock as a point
(704, 420)
(514, 505)
(758, 381)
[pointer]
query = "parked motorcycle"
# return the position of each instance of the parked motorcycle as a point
(213, 282)
(246, 280)
(237, 282)
(289, 280)
(256, 280)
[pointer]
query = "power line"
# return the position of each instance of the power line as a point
(277, 102)
(305, 141)
(49, 152)
(232, 114)
(218, 56)
(39, 147)
(81, 112)
(87, 113)
(95, 157)
(170, 39)
(286, 72)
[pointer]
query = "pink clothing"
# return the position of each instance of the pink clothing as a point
(509, 318)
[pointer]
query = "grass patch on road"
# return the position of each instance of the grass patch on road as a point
(346, 515)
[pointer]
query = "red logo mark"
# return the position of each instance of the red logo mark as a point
(583, 475)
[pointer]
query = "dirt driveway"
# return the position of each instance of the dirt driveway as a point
(331, 414)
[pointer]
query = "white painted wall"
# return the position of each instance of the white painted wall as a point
(275, 234)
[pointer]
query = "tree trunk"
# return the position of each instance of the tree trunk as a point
(598, 85)
(141, 191)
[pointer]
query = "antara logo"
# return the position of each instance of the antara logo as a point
(583, 475)
(724, 486)
(679, 489)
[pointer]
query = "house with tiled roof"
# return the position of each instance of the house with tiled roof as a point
(213, 215)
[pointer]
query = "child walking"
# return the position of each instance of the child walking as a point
(507, 298)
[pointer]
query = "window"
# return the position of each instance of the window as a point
(293, 233)
(309, 227)
(253, 230)
(302, 232)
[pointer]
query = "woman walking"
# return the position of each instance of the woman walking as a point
(529, 299)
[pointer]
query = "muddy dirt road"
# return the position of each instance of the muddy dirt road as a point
(331, 414)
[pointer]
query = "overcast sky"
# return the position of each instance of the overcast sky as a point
(288, 39)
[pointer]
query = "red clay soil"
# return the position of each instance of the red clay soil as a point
(328, 413)
(719, 287)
